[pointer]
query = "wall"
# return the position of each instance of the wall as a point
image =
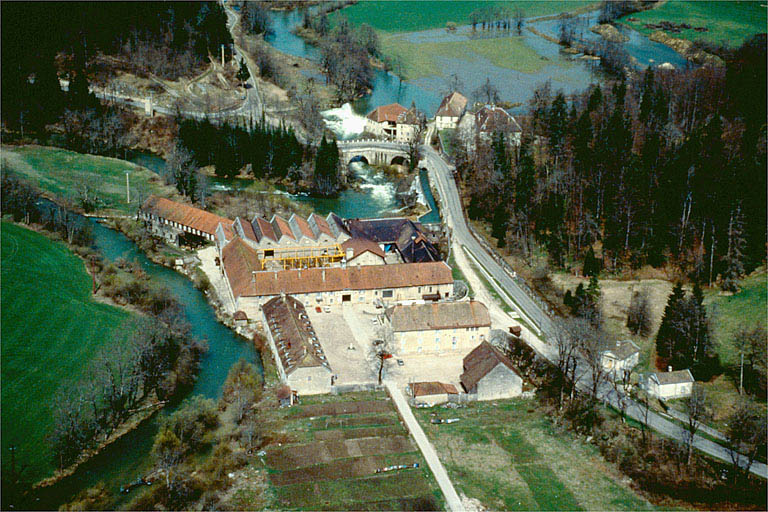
(409, 342)
(444, 122)
(366, 258)
(669, 390)
(501, 382)
(313, 380)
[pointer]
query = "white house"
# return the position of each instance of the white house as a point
(394, 122)
(620, 358)
(450, 111)
(668, 385)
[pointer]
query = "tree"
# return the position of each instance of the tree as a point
(672, 324)
(639, 313)
(519, 20)
(698, 412)
(750, 343)
(181, 170)
(326, 176)
(591, 263)
(746, 436)
(243, 74)
(734, 258)
(487, 93)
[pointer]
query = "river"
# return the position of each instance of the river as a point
(128, 458)
(564, 72)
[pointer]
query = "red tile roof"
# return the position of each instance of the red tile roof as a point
(263, 228)
(240, 260)
(281, 227)
(186, 215)
(361, 245)
(303, 226)
(369, 277)
(247, 229)
(452, 105)
(432, 388)
(387, 113)
(321, 224)
(480, 362)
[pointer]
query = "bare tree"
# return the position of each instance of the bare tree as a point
(746, 436)
(567, 334)
(453, 83)
(698, 412)
(486, 93)
(592, 342)
(519, 20)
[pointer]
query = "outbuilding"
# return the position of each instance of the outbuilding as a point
(620, 358)
(432, 393)
(490, 375)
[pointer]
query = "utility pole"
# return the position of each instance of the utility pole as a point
(222, 55)
(127, 187)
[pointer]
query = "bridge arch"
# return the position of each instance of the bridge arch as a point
(399, 160)
(358, 158)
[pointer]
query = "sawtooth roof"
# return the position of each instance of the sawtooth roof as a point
(438, 315)
(480, 362)
(186, 215)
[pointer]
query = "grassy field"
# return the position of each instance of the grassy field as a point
(729, 23)
(333, 447)
(411, 16)
(61, 173)
(51, 329)
(423, 59)
(509, 456)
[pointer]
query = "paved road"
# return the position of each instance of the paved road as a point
(451, 210)
(451, 497)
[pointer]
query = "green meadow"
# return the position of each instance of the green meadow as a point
(51, 329)
(412, 16)
(729, 23)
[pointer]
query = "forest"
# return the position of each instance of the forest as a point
(665, 168)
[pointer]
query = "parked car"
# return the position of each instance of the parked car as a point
(318, 309)
(400, 362)
(327, 309)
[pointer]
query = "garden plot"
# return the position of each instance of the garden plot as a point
(338, 450)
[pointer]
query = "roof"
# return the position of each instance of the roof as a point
(262, 228)
(295, 339)
(361, 245)
(282, 228)
(410, 116)
(491, 118)
(438, 315)
(406, 234)
(676, 377)
(480, 362)
(317, 280)
(240, 315)
(432, 388)
(240, 261)
(386, 113)
(452, 105)
(300, 227)
(319, 225)
(245, 229)
(623, 349)
(186, 215)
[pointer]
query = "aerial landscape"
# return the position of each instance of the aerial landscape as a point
(384, 255)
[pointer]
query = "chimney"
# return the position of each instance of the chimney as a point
(669, 368)
(350, 252)
(323, 275)
(299, 273)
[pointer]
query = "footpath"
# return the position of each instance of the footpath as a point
(452, 499)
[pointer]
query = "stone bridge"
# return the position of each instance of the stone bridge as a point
(373, 152)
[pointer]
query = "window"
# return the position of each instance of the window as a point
(387, 294)
(454, 343)
(269, 253)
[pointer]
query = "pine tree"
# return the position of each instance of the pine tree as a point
(699, 349)
(639, 314)
(734, 258)
(671, 323)
(243, 74)
(591, 263)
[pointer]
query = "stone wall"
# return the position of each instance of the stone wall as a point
(501, 382)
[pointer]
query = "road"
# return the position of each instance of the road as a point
(441, 174)
(433, 461)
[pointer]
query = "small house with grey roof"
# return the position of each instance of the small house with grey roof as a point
(671, 384)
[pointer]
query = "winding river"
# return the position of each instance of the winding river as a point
(128, 458)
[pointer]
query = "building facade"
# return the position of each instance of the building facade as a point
(490, 375)
(621, 358)
(432, 393)
(179, 223)
(450, 111)
(395, 122)
(438, 327)
(669, 385)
